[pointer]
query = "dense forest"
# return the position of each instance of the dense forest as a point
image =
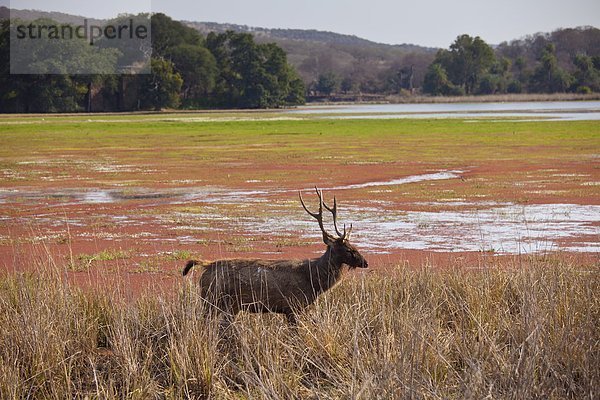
(188, 70)
(343, 64)
(207, 65)
(566, 60)
(331, 63)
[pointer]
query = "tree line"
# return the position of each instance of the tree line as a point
(566, 60)
(227, 69)
(470, 66)
(188, 70)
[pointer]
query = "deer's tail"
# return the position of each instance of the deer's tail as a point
(189, 266)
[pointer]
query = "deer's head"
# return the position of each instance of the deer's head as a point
(341, 251)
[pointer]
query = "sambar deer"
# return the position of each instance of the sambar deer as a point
(279, 286)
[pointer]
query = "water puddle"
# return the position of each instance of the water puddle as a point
(91, 196)
(208, 194)
(442, 175)
(505, 229)
(459, 225)
(97, 197)
(498, 228)
(501, 229)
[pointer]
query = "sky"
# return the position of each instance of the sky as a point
(434, 23)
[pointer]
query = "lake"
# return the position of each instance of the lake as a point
(564, 110)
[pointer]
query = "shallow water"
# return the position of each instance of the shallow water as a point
(402, 181)
(206, 194)
(502, 228)
(506, 229)
(565, 110)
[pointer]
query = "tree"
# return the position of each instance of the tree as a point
(469, 58)
(347, 85)
(227, 70)
(326, 83)
(497, 78)
(168, 34)
(297, 89)
(587, 74)
(465, 63)
(567, 44)
(197, 68)
(160, 89)
(275, 75)
(56, 74)
(252, 75)
(436, 82)
(548, 77)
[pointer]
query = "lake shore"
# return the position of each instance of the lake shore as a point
(423, 99)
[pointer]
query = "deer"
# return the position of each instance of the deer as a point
(279, 286)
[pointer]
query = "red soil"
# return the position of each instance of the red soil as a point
(72, 234)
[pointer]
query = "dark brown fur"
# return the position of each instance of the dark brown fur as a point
(279, 286)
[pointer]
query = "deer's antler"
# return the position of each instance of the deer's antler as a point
(333, 212)
(319, 216)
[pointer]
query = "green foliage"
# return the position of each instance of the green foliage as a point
(347, 84)
(548, 77)
(587, 74)
(296, 88)
(160, 89)
(252, 75)
(168, 35)
(514, 86)
(226, 70)
(198, 68)
(471, 65)
(54, 91)
(466, 61)
(551, 62)
(231, 70)
(461, 68)
(436, 81)
(327, 83)
(489, 84)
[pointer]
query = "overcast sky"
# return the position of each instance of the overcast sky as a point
(433, 23)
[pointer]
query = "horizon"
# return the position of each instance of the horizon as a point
(579, 13)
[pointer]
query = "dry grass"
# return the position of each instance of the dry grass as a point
(504, 332)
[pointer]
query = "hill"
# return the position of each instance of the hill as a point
(29, 15)
(366, 65)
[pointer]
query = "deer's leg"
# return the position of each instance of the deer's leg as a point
(291, 317)
(226, 321)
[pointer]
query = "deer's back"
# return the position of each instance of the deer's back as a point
(259, 285)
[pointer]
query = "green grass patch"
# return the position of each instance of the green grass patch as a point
(165, 150)
(84, 261)
(377, 140)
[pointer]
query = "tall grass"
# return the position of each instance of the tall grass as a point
(504, 332)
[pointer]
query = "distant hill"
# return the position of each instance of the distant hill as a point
(29, 15)
(315, 52)
(296, 34)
